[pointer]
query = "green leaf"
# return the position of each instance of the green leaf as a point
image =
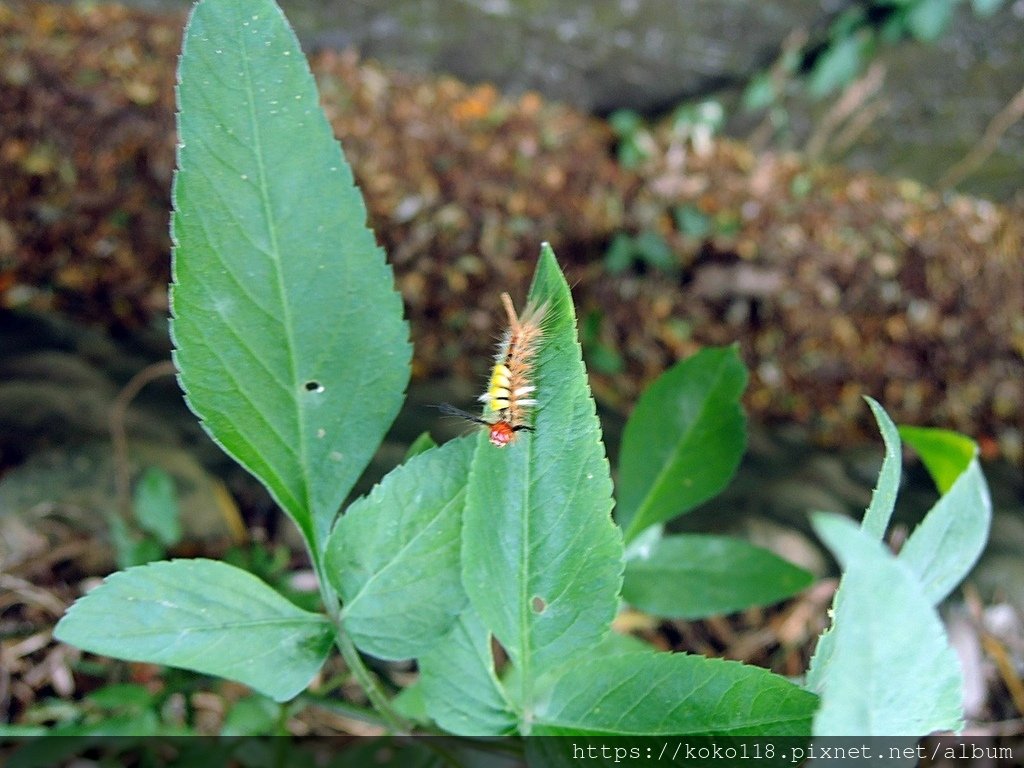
(838, 66)
(541, 558)
(891, 670)
(205, 616)
(672, 694)
(948, 542)
(692, 221)
(156, 506)
(945, 454)
(409, 703)
(459, 685)
(252, 716)
(687, 577)
(651, 247)
(130, 548)
(928, 19)
(394, 556)
(421, 444)
(876, 520)
(883, 499)
(122, 696)
(620, 254)
(289, 334)
(683, 441)
(625, 122)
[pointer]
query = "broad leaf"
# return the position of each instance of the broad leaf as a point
(394, 556)
(883, 500)
(459, 685)
(891, 670)
(944, 453)
(944, 547)
(672, 694)
(691, 576)
(289, 334)
(542, 560)
(205, 616)
(683, 441)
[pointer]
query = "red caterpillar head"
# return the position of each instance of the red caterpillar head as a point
(500, 432)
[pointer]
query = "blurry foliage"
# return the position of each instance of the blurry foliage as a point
(822, 67)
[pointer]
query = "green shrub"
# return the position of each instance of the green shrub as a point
(293, 352)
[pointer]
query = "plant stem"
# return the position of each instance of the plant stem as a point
(395, 722)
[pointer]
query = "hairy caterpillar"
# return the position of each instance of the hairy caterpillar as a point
(510, 391)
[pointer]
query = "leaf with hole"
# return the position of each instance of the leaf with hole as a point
(288, 331)
(541, 558)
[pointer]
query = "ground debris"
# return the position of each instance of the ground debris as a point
(835, 284)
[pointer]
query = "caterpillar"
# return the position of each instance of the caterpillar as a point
(510, 391)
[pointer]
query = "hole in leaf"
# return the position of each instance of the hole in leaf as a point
(313, 386)
(498, 654)
(538, 605)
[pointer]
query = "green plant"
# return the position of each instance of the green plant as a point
(855, 35)
(293, 352)
(155, 525)
(636, 144)
(648, 247)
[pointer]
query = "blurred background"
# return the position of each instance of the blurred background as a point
(931, 75)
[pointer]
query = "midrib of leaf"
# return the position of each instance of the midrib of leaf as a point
(219, 628)
(632, 531)
(286, 320)
(525, 677)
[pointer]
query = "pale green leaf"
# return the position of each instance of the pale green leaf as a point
(684, 440)
(883, 500)
(460, 689)
(394, 556)
(672, 694)
(948, 542)
(202, 615)
(876, 520)
(289, 335)
(542, 560)
(691, 576)
(890, 670)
